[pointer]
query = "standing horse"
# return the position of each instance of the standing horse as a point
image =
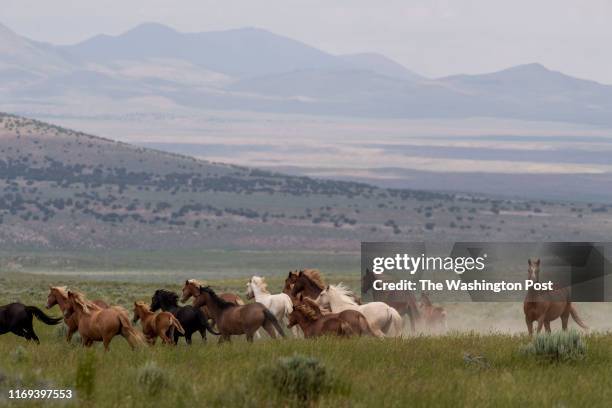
(236, 320)
(546, 306)
(383, 319)
(58, 295)
(156, 325)
(97, 324)
(192, 319)
(405, 306)
(434, 317)
(17, 319)
(313, 323)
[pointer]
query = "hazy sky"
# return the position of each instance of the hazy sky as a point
(432, 37)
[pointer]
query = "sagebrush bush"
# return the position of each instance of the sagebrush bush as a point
(86, 374)
(299, 377)
(152, 377)
(559, 346)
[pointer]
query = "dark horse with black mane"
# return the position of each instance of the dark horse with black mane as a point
(191, 318)
(17, 318)
(233, 320)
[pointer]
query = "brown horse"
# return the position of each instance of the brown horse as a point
(355, 319)
(155, 325)
(434, 317)
(58, 295)
(546, 306)
(97, 324)
(289, 282)
(313, 323)
(192, 288)
(309, 283)
(236, 320)
(406, 305)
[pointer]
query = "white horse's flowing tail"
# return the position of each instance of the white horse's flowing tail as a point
(397, 323)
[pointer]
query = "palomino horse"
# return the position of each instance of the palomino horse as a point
(97, 324)
(280, 304)
(156, 325)
(192, 319)
(434, 317)
(236, 320)
(17, 319)
(58, 295)
(313, 323)
(546, 306)
(383, 319)
(406, 305)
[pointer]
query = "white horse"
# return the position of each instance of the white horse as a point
(280, 304)
(383, 319)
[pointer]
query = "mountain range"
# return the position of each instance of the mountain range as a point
(251, 69)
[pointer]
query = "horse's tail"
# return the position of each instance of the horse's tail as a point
(133, 337)
(397, 323)
(204, 322)
(577, 319)
(272, 319)
(40, 315)
(177, 325)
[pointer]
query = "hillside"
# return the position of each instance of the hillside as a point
(63, 189)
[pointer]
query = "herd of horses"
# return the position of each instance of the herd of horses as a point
(306, 305)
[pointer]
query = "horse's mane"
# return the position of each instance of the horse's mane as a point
(168, 295)
(308, 310)
(261, 283)
(195, 282)
(86, 305)
(62, 290)
(223, 304)
(342, 292)
(143, 305)
(315, 277)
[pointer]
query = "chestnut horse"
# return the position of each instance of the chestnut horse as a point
(289, 282)
(236, 320)
(313, 323)
(97, 324)
(546, 306)
(58, 295)
(434, 317)
(155, 325)
(192, 288)
(355, 319)
(405, 306)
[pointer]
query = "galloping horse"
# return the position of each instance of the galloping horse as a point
(17, 319)
(313, 323)
(309, 283)
(280, 304)
(404, 306)
(546, 306)
(97, 324)
(289, 282)
(235, 320)
(382, 318)
(192, 319)
(192, 288)
(155, 325)
(58, 295)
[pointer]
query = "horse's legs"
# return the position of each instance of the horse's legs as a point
(529, 323)
(249, 337)
(203, 334)
(547, 326)
(164, 337)
(269, 328)
(176, 336)
(29, 332)
(540, 323)
(106, 341)
(188, 337)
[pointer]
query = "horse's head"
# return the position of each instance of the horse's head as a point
(289, 282)
(56, 295)
(138, 308)
(366, 281)
(190, 289)
(301, 282)
(163, 299)
(324, 298)
(250, 293)
(205, 296)
(533, 269)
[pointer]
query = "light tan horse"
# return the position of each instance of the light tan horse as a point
(546, 306)
(58, 295)
(97, 324)
(155, 325)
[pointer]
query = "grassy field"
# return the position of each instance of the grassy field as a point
(415, 371)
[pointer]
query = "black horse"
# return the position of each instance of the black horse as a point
(17, 318)
(192, 319)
